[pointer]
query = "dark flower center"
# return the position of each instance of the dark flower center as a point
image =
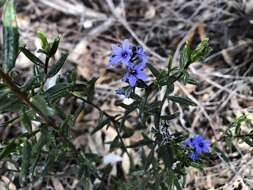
(132, 72)
(124, 54)
(201, 145)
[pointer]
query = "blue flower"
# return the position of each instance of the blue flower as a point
(134, 72)
(119, 91)
(141, 55)
(121, 54)
(198, 145)
(193, 155)
(122, 91)
(201, 145)
(190, 142)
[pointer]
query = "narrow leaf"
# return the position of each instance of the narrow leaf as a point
(32, 57)
(153, 70)
(11, 147)
(182, 100)
(185, 55)
(10, 35)
(43, 39)
(101, 123)
(56, 68)
(54, 46)
(26, 157)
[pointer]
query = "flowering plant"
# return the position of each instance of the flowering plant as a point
(46, 149)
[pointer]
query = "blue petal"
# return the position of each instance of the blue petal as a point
(139, 66)
(141, 75)
(126, 59)
(114, 59)
(132, 80)
(125, 45)
(190, 142)
(193, 155)
(116, 50)
(119, 91)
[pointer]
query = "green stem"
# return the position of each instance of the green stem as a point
(46, 64)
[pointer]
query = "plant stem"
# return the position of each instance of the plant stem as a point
(46, 64)
(112, 120)
(24, 97)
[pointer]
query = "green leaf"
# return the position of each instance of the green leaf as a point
(56, 92)
(176, 183)
(26, 158)
(170, 59)
(10, 35)
(10, 103)
(9, 14)
(56, 68)
(43, 140)
(37, 148)
(201, 51)
(153, 70)
(32, 57)
(26, 122)
(52, 157)
(2, 2)
(129, 108)
(44, 41)
(138, 173)
(6, 151)
(54, 46)
(193, 81)
(101, 123)
(249, 141)
(182, 100)
(197, 166)
(185, 55)
(114, 144)
(42, 105)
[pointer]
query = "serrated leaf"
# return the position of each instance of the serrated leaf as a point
(182, 100)
(32, 57)
(56, 68)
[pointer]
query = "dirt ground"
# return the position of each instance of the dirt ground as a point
(89, 27)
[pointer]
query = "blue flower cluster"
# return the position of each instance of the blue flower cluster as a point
(134, 58)
(198, 146)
